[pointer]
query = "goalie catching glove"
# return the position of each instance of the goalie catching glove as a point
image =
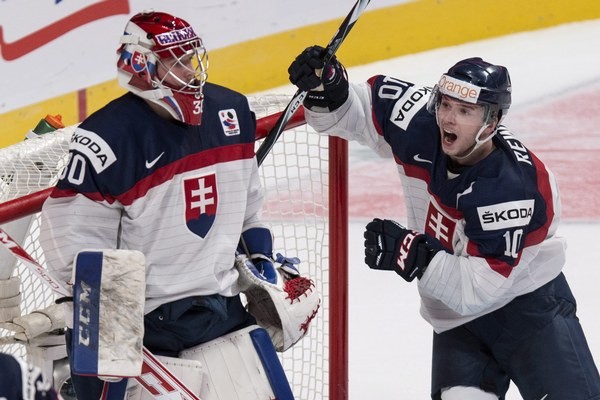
(390, 246)
(283, 305)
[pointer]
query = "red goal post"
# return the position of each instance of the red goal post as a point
(306, 201)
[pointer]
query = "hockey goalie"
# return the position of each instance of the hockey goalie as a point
(155, 224)
(106, 343)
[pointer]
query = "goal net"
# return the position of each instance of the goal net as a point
(305, 181)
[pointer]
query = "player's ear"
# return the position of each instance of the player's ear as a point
(492, 120)
(493, 124)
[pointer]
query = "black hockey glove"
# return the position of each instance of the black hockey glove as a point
(327, 85)
(390, 246)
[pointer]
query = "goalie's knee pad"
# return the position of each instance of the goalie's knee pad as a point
(191, 372)
(275, 373)
(243, 365)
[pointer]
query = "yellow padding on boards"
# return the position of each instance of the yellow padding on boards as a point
(380, 34)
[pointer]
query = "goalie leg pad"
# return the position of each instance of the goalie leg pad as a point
(107, 341)
(190, 372)
(268, 356)
(243, 366)
(114, 390)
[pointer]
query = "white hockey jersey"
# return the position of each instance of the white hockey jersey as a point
(496, 220)
(180, 194)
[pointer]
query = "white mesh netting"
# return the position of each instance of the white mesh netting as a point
(296, 185)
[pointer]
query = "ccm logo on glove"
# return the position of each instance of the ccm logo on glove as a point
(390, 246)
(404, 250)
(326, 85)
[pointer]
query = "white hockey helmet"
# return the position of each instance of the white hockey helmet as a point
(161, 59)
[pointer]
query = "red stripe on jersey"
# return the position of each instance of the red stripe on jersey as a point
(451, 211)
(414, 171)
(190, 163)
(500, 267)
(545, 189)
(161, 175)
(421, 173)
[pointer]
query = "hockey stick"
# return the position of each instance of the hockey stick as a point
(155, 377)
(299, 96)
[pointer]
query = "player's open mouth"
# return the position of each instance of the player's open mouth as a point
(449, 137)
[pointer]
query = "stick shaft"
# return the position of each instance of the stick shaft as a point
(299, 96)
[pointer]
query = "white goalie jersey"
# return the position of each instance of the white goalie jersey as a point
(179, 194)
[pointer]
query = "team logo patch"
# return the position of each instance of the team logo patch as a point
(138, 62)
(440, 226)
(201, 201)
(229, 122)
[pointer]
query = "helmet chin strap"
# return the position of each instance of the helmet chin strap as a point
(478, 142)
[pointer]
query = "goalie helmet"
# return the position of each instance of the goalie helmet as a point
(161, 59)
(475, 81)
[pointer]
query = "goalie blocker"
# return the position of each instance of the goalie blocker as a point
(107, 341)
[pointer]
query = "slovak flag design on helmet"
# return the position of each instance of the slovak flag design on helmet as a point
(201, 203)
(138, 61)
(160, 56)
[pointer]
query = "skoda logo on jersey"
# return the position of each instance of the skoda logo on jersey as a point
(201, 200)
(229, 122)
(506, 215)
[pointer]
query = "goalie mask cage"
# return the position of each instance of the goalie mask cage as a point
(305, 181)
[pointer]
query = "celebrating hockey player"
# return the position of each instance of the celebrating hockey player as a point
(480, 235)
(160, 194)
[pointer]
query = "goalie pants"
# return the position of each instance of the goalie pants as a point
(176, 326)
(535, 340)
